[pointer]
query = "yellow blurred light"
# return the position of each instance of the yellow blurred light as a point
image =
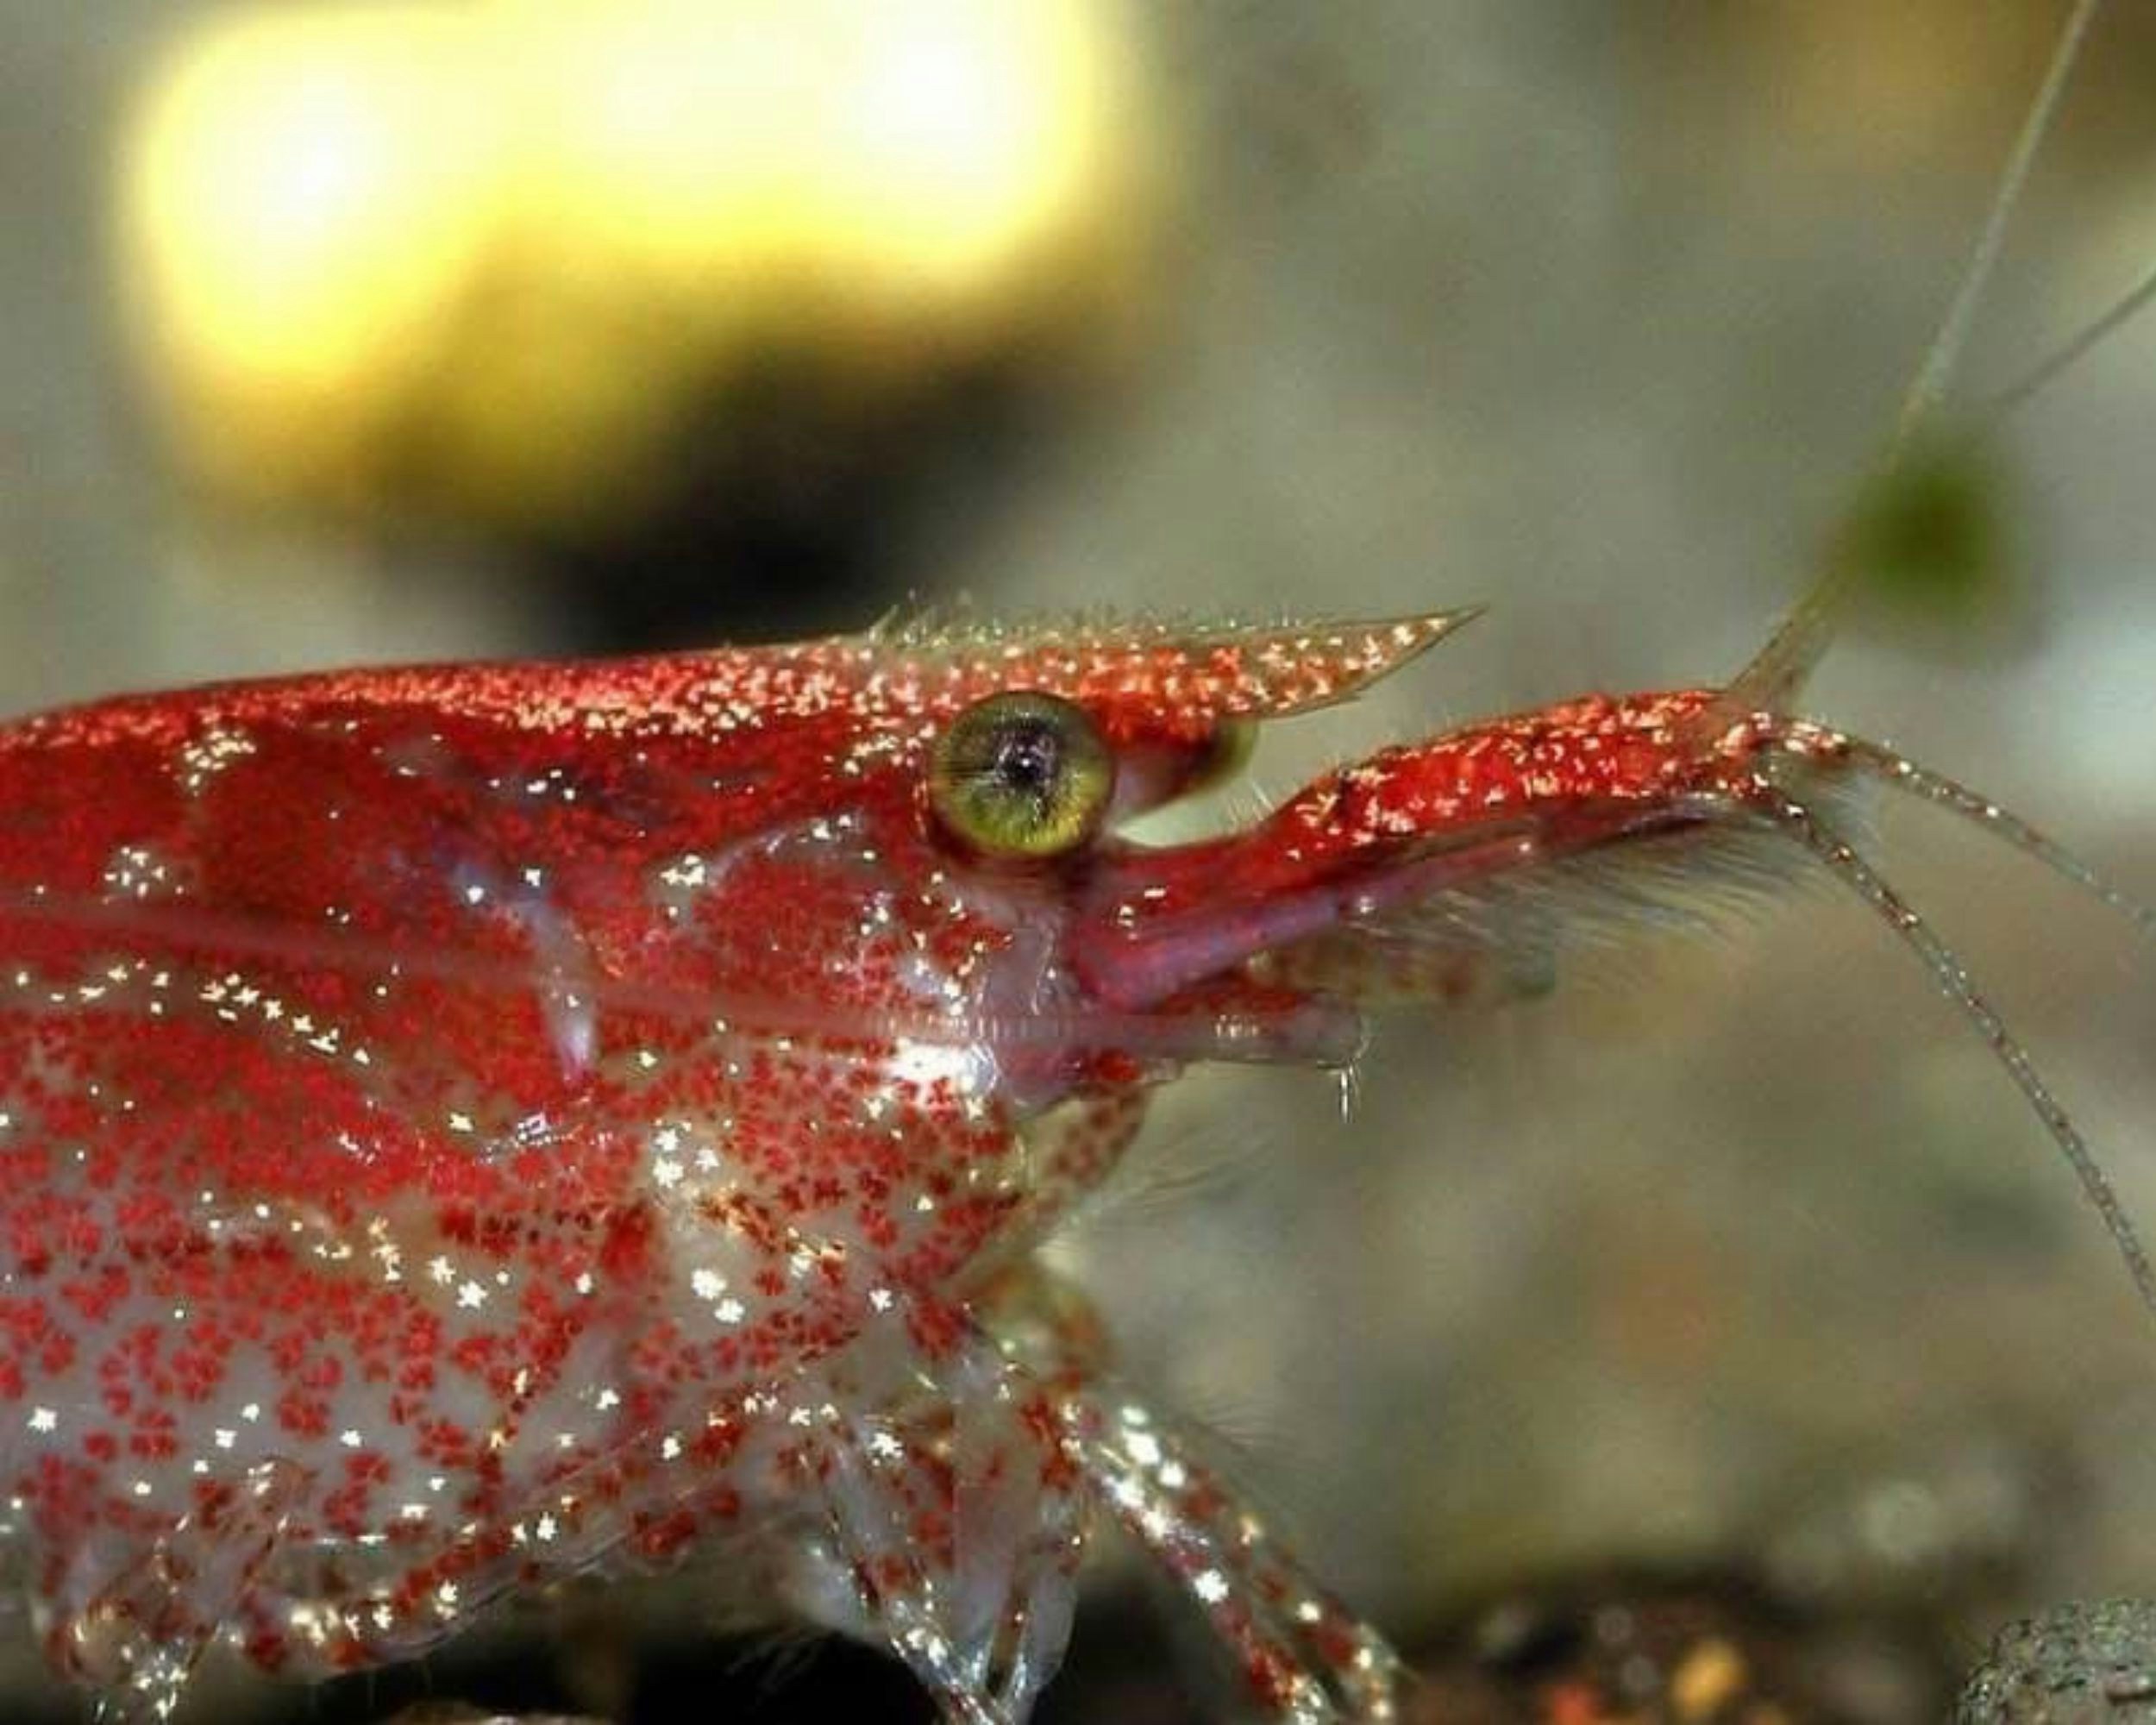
(767, 147)
(971, 133)
(524, 232)
(302, 208)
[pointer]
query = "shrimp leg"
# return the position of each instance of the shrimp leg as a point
(953, 1525)
(138, 1633)
(1307, 1658)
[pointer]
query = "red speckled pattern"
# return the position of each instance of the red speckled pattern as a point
(469, 1124)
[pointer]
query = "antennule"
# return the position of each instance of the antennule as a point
(2040, 376)
(1935, 376)
(1779, 667)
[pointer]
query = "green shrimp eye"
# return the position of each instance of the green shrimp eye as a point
(1021, 774)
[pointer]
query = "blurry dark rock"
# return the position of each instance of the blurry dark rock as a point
(1711, 1650)
(455, 1713)
(2080, 1664)
(787, 509)
(743, 1681)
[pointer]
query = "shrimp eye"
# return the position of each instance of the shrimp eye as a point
(1021, 774)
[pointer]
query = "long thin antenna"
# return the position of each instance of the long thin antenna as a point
(1801, 638)
(1935, 376)
(2046, 370)
(2001, 822)
(1851, 869)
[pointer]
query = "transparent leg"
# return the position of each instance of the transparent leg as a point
(1305, 1656)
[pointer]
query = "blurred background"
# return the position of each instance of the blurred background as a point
(334, 333)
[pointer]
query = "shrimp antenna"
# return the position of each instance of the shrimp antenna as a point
(1936, 788)
(1795, 647)
(2047, 370)
(1808, 743)
(1935, 376)
(1765, 686)
(1848, 866)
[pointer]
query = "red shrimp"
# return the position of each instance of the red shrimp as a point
(477, 1123)
(467, 1126)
